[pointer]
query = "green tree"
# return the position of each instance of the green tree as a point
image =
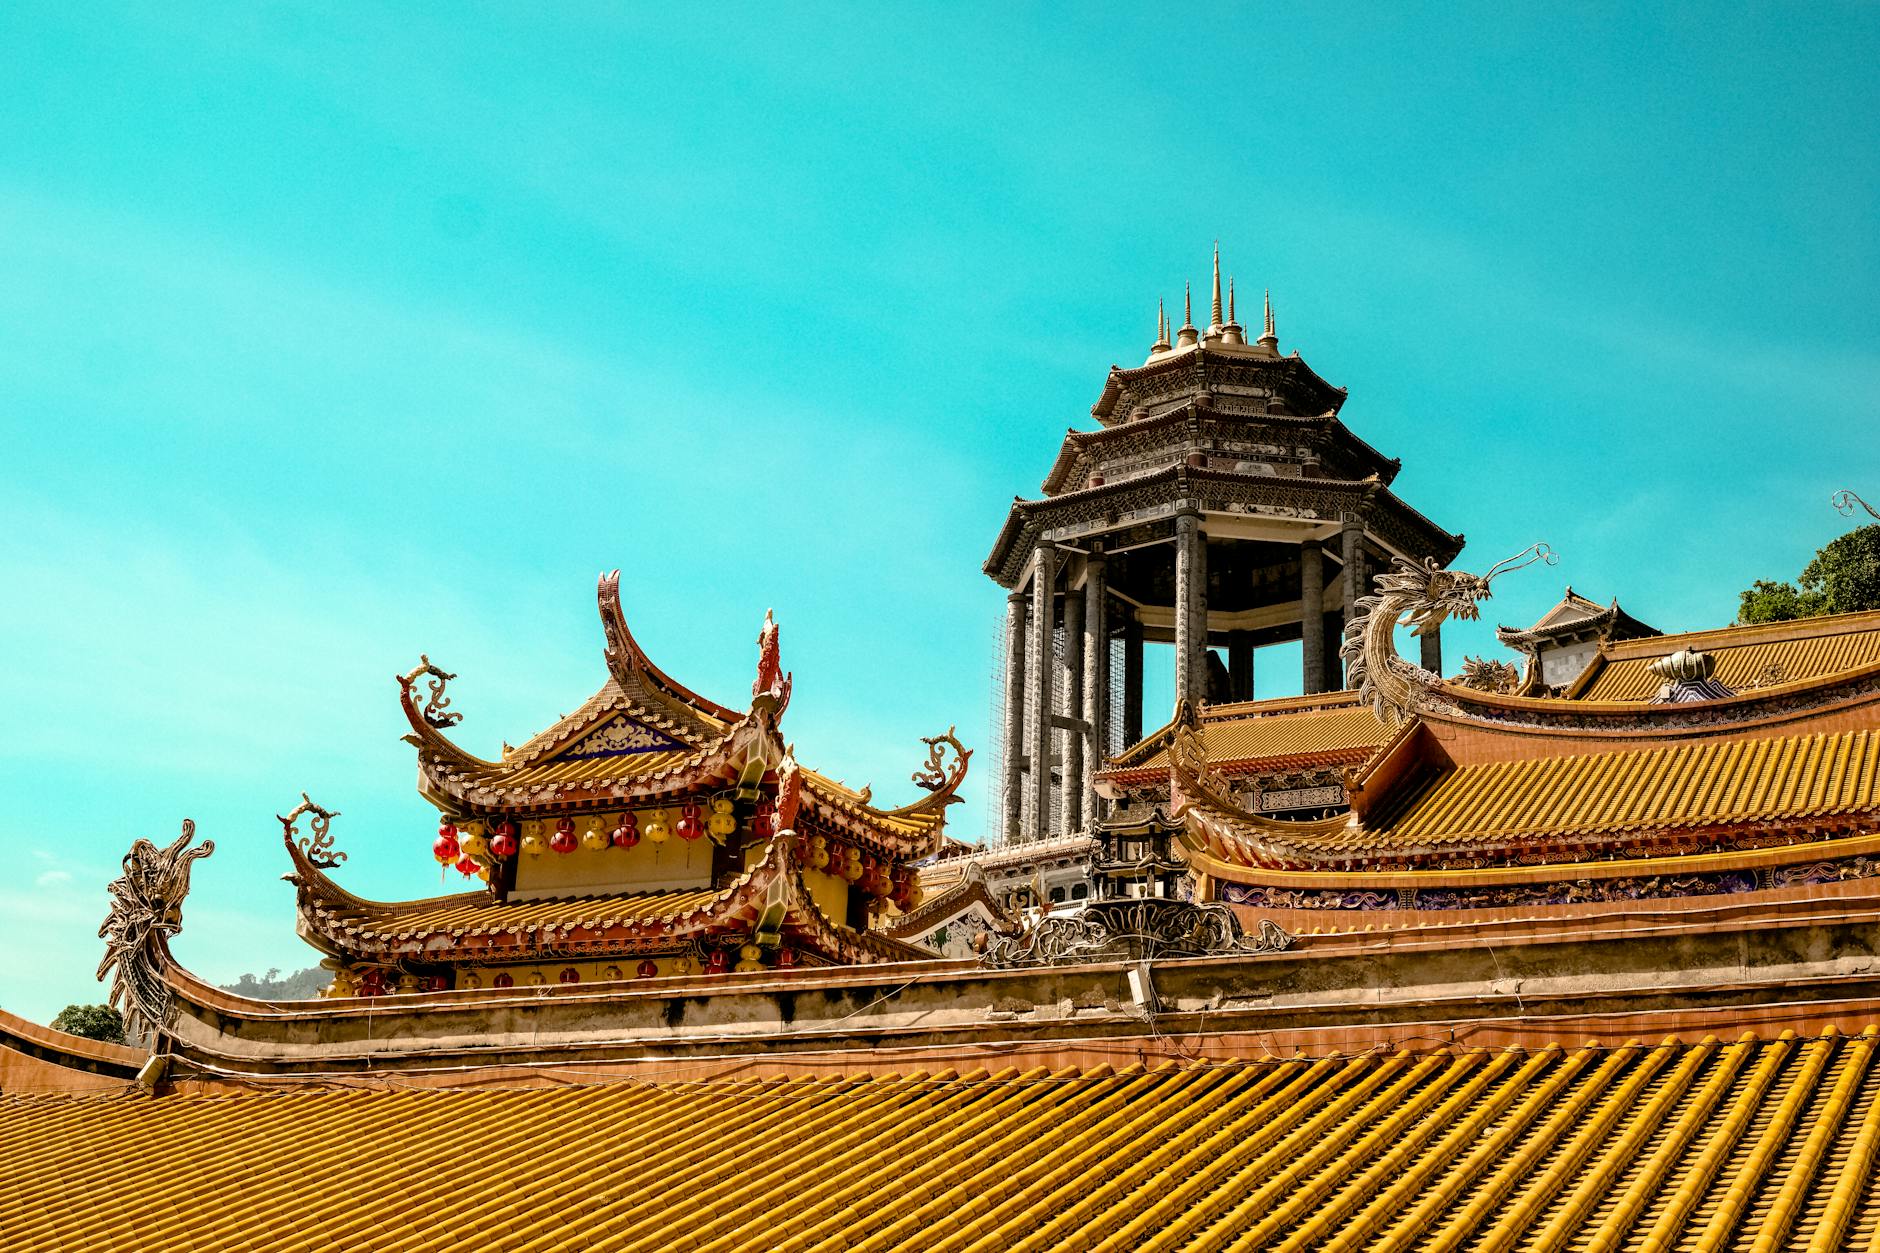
(1844, 577)
(94, 1022)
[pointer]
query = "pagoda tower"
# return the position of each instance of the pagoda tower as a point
(1221, 506)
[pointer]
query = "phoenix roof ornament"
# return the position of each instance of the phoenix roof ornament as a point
(1419, 595)
(319, 846)
(146, 910)
(435, 709)
(937, 774)
(1846, 499)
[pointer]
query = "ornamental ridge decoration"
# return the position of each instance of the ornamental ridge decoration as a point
(146, 910)
(435, 708)
(317, 847)
(935, 774)
(1137, 929)
(1420, 595)
(1846, 499)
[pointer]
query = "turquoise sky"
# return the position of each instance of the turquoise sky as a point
(334, 334)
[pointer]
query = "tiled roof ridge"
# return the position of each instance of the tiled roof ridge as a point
(1736, 635)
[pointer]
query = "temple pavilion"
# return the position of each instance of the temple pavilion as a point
(1493, 960)
(650, 832)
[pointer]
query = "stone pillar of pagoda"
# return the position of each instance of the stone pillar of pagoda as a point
(1013, 797)
(1071, 776)
(1096, 711)
(1191, 609)
(1356, 582)
(1042, 700)
(1312, 615)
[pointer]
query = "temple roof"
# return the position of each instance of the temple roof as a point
(643, 738)
(1700, 1143)
(1575, 615)
(1763, 655)
(1507, 810)
(1247, 736)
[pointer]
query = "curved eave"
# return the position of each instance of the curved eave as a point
(1004, 566)
(1309, 874)
(1077, 443)
(1638, 720)
(732, 910)
(753, 742)
(1196, 359)
(946, 905)
(627, 660)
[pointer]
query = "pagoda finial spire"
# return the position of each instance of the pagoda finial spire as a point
(1269, 340)
(1187, 337)
(1214, 322)
(1230, 330)
(1161, 329)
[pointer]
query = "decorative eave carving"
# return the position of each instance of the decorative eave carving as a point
(1138, 929)
(1203, 368)
(634, 670)
(1210, 490)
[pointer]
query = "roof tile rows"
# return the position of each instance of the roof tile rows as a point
(476, 911)
(1703, 783)
(1752, 660)
(1765, 1144)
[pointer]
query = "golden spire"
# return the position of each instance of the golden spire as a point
(1230, 331)
(1214, 323)
(1269, 340)
(1187, 337)
(1161, 330)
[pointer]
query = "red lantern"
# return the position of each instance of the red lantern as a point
(446, 827)
(445, 848)
(718, 962)
(467, 866)
(690, 827)
(569, 975)
(786, 958)
(503, 843)
(764, 818)
(503, 980)
(627, 834)
(564, 841)
(647, 969)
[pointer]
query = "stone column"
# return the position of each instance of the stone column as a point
(1096, 677)
(1014, 782)
(1191, 609)
(1432, 646)
(1240, 665)
(1071, 778)
(1356, 583)
(1312, 614)
(1132, 679)
(1042, 699)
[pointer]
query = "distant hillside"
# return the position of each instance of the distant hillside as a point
(300, 986)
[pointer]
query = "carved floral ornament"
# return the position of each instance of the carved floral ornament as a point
(1132, 930)
(1845, 501)
(146, 910)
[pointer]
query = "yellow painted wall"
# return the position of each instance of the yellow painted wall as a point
(830, 893)
(646, 867)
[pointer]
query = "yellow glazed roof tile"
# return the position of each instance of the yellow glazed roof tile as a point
(1763, 655)
(474, 911)
(1752, 1143)
(1706, 783)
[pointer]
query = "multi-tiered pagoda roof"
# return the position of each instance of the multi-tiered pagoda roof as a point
(649, 831)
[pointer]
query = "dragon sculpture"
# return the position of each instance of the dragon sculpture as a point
(1421, 596)
(1487, 675)
(146, 910)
